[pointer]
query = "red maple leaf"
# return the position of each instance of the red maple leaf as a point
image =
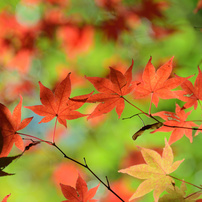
(173, 123)
(150, 9)
(158, 83)
(61, 174)
(191, 94)
(76, 40)
(57, 104)
(111, 91)
(21, 61)
(159, 32)
(108, 4)
(9, 125)
(198, 7)
(17, 43)
(114, 27)
(80, 194)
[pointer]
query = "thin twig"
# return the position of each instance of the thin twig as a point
(85, 165)
(48, 142)
(192, 194)
(33, 143)
(194, 128)
(186, 182)
(55, 129)
(146, 114)
(107, 181)
(150, 104)
(135, 106)
(132, 116)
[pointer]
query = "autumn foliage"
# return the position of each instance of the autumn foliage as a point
(163, 101)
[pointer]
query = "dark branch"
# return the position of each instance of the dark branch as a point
(85, 165)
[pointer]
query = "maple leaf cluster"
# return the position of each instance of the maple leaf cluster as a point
(23, 44)
(19, 40)
(112, 92)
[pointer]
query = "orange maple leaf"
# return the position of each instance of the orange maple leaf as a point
(57, 104)
(155, 172)
(111, 91)
(191, 94)
(198, 7)
(176, 119)
(81, 193)
(158, 83)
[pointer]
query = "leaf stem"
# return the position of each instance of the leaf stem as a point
(185, 182)
(150, 103)
(200, 104)
(148, 115)
(194, 128)
(135, 106)
(48, 142)
(132, 116)
(87, 167)
(55, 129)
(192, 194)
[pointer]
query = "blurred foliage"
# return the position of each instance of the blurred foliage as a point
(44, 40)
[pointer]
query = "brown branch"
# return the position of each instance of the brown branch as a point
(146, 114)
(194, 128)
(85, 165)
(185, 182)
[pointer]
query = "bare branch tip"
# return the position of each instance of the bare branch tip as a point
(107, 182)
(85, 161)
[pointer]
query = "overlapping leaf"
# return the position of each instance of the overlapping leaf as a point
(191, 94)
(57, 104)
(157, 83)
(179, 194)
(9, 125)
(176, 122)
(80, 193)
(111, 91)
(155, 172)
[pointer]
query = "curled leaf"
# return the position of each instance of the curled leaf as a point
(5, 161)
(147, 127)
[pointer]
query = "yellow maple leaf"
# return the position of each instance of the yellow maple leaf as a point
(179, 194)
(155, 172)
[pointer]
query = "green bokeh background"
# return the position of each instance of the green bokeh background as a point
(106, 145)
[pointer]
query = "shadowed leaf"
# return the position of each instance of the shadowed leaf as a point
(4, 162)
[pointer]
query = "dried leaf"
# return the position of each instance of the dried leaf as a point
(147, 127)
